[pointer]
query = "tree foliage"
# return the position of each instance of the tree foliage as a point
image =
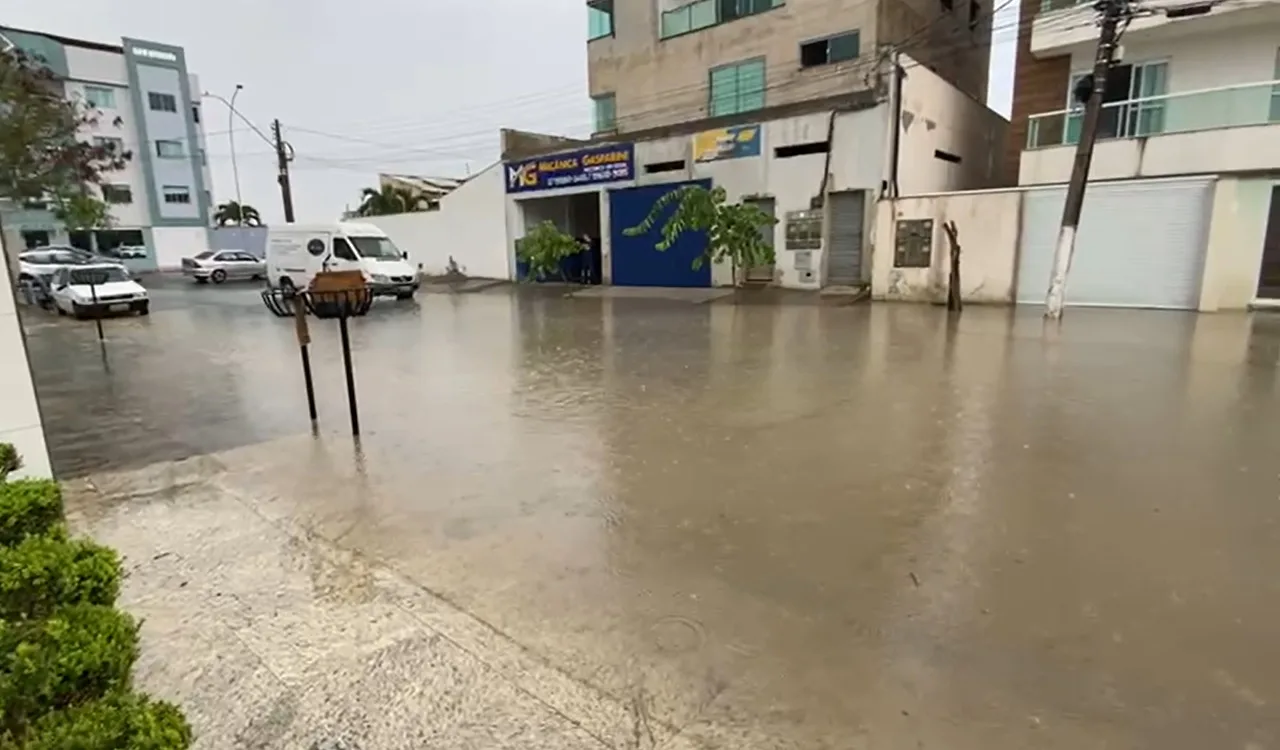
(390, 200)
(543, 249)
(735, 231)
(42, 156)
(240, 214)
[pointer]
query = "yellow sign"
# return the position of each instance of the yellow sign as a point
(727, 143)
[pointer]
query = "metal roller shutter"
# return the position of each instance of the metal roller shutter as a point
(1141, 244)
(844, 261)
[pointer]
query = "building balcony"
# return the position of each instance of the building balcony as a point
(1062, 25)
(1227, 129)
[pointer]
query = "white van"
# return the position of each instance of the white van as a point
(297, 252)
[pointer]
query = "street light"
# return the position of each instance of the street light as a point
(231, 138)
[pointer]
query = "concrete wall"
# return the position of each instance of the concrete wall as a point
(1236, 233)
(249, 239)
(936, 116)
(19, 413)
(468, 228)
(172, 244)
(988, 225)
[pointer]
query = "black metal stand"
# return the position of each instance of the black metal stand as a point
(351, 378)
(311, 389)
(97, 309)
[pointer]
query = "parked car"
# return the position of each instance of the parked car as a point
(296, 252)
(97, 289)
(219, 265)
(43, 262)
(128, 252)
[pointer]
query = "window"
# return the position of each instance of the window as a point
(1275, 91)
(732, 9)
(1121, 117)
(830, 50)
(169, 149)
(606, 112)
(704, 13)
(118, 194)
(737, 88)
(599, 19)
(342, 249)
(100, 97)
(176, 194)
(195, 114)
(975, 10)
(162, 102)
(114, 145)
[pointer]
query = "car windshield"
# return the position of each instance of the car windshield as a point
(99, 275)
(377, 248)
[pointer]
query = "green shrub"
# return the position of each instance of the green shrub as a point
(28, 506)
(10, 461)
(43, 573)
(121, 720)
(78, 654)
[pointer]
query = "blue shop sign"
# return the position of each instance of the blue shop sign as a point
(587, 167)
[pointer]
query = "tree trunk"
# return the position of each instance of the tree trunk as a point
(954, 300)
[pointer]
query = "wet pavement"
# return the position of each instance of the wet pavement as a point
(636, 523)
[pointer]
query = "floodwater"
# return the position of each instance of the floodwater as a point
(770, 525)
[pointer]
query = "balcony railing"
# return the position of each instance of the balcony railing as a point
(1207, 109)
(704, 14)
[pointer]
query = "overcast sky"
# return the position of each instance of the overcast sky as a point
(408, 86)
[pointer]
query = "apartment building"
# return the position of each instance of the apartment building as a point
(148, 105)
(1189, 142)
(654, 63)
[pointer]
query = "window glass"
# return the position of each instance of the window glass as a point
(378, 248)
(702, 14)
(599, 19)
(169, 149)
(342, 249)
(675, 22)
(606, 109)
(843, 47)
(177, 194)
(162, 102)
(118, 194)
(98, 275)
(100, 97)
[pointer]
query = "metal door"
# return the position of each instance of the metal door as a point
(764, 273)
(1140, 244)
(844, 251)
(635, 260)
(1269, 273)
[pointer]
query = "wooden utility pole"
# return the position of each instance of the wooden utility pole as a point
(1112, 12)
(282, 176)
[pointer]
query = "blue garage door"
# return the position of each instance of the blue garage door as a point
(636, 262)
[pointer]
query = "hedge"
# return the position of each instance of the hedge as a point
(116, 722)
(42, 573)
(27, 507)
(65, 651)
(77, 654)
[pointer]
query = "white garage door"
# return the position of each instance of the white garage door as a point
(1141, 244)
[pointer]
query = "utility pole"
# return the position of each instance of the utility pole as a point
(1112, 12)
(282, 166)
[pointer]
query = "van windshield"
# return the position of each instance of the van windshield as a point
(377, 248)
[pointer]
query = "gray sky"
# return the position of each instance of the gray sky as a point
(427, 83)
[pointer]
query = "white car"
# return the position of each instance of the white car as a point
(42, 262)
(95, 290)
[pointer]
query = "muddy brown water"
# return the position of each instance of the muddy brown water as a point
(863, 526)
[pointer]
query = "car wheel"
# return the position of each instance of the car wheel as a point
(78, 312)
(286, 284)
(59, 309)
(404, 295)
(145, 309)
(218, 276)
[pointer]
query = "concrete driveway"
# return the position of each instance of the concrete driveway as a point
(637, 523)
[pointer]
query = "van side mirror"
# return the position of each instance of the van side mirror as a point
(404, 254)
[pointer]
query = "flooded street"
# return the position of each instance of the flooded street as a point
(668, 524)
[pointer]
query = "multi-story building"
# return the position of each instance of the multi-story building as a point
(654, 63)
(1189, 139)
(148, 106)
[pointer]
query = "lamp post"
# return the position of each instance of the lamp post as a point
(231, 138)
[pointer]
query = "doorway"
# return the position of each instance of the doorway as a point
(844, 255)
(1269, 274)
(577, 215)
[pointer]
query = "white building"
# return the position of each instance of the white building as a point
(817, 166)
(1183, 209)
(148, 105)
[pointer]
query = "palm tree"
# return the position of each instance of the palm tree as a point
(235, 213)
(390, 200)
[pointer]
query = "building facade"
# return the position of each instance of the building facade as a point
(1189, 134)
(148, 106)
(653, 63)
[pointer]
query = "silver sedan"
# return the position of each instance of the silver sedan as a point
(219, 265)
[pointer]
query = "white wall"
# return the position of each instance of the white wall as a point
(469, 227)
(1237, 229)
(937, 116)
(96, 66)
(172, 244)
(19, 414)
(987, 224)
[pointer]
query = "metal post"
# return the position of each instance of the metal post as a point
(351, 379)
(304, 341)
(231, 138)
(1066, 245)
(97, 309)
